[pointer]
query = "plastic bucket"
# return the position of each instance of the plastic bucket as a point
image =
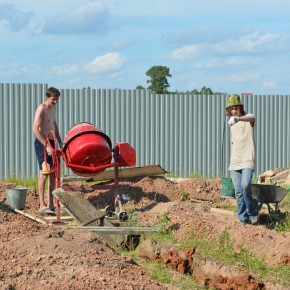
(86, 145)
(228, 190)
(16, 196)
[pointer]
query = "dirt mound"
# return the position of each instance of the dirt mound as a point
(49, 257)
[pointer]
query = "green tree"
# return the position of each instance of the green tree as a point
(158, 79)
(195, 92)
(139, 87)
(206, 91)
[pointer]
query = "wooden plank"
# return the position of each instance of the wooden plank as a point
(77, 206)
(119, 230)
(129, 172)
(23, 213)
(85, 213)
(86, 188)
(72, 178)
(51, 218)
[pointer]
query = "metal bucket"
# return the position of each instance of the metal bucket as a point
(228, 190)
(16, 196)
(86, 145)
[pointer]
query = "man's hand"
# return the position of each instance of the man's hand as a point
(233, 121)
(48, 150)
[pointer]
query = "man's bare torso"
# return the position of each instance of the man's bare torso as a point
(47, 120)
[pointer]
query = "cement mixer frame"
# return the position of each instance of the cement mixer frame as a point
(123, 155)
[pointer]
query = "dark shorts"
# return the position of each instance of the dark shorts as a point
(39, 150)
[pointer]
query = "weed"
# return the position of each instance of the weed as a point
(163, 275)
(285, 203)
(284, 226)
(132, 220)
(184, 195)
(162, 223)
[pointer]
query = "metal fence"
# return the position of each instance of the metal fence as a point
(185, 134)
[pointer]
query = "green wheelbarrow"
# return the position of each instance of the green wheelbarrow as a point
(268, 194)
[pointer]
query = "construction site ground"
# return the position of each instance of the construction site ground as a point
(53, 256)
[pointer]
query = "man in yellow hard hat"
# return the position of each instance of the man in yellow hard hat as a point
(242, 161)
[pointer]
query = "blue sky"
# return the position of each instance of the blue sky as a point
(231, 46)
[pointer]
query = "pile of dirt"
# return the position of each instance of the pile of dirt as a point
(50, 256)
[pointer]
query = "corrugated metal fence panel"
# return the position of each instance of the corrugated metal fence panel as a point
(272, 131)
(18, 103)
(185, 134)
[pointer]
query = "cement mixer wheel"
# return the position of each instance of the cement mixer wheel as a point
(123, 216)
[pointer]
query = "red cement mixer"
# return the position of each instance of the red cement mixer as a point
(88, 151)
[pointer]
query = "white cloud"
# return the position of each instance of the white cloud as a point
(14, 18)
(208, 64)
(66, 69)
(111, 61)
(92, 17)
(243, 78)
(239, 60)
(235, 61)
(270, 84)
(253, 42)
(186, 52)
(13, 70)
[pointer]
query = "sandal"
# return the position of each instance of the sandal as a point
(53, 209)
(46, 210)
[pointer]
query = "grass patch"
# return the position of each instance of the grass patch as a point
(220, 249)
(132, 220)
(86, 182)
(29, 182)
(285, 203)
(284, 226)
(226, 206)
(184, 195)
(159, 273)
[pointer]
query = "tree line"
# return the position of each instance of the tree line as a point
(158, 82)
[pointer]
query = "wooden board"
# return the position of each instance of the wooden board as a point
(86, 214)
(120, 230)
(129, 172)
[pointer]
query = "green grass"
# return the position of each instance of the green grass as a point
(284, 226)
(159, 273)
(285, 203)
(29, 182)
(226, 206)
(220, 249)
(132, 220)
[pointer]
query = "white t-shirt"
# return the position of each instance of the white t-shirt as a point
(242, 146)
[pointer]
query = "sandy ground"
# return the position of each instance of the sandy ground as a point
(38, 256)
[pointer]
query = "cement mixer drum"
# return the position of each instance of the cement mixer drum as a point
(86, 145)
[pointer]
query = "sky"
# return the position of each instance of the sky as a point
(230, 46)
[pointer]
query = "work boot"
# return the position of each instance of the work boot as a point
(253, 219)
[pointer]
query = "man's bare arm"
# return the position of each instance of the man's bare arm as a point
(37, 124)
(57, 135)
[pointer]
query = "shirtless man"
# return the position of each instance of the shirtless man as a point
(45, 121)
